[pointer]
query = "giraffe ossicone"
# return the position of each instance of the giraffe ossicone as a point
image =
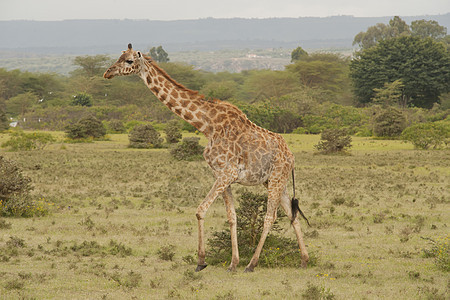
(238, 151)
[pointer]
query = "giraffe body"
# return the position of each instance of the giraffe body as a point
(238, 151)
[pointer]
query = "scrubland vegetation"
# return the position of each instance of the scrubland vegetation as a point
(98, 188)
(120, 223)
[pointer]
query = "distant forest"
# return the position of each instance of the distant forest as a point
(110, 36)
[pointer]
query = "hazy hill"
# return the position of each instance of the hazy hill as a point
(110, 36)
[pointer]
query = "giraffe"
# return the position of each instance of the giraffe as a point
(238, 151)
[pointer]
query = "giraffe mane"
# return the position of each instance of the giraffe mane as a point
(167, 76)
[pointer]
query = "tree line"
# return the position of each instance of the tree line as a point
(397, 65)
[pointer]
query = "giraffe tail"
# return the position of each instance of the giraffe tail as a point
(294, 204)
(295, 208)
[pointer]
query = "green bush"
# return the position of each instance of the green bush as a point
(12, 182)
(278, 251)
(329, 116)
(334, 140)
(188, 149)
(145, 136)
(426, 135)
(21, 141)
(88, 127)
(173, 132)
(440, 251)
(15, 199)
(82, 99)
(389, 122)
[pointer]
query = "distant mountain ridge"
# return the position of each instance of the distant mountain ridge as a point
(108, 36)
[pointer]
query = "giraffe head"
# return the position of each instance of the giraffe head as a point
(129, 62)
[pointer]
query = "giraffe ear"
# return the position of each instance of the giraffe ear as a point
(139, 54)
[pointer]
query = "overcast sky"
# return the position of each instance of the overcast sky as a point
(195, 9)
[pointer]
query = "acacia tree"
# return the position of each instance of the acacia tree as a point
(396, 27)
(91, 65)
(321, 70)
(159, 54)
(428, 28)
(423, 66)
(298, 53)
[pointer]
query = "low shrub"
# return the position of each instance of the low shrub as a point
(88, 127)
(189, 149)
(278, 251)
(145, 136)
(15, 199)
(12, 182)
(334, 140)
(440, 251)
(314, 292)
(21, 141)
(426, 135)
(166, 252)
(173, 132)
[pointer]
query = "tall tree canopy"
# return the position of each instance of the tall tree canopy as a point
(424, 28)
(396, 28)
(91, 65)
(159, 54)
(422, 65)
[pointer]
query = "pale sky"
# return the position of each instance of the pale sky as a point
(50, 10)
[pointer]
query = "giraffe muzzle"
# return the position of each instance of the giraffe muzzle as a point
(108, 74)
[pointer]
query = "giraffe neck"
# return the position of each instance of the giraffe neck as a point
(187, 104)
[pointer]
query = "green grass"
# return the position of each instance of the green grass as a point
(116, 210)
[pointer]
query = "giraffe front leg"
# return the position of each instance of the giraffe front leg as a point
(231, 213)
(217, 189)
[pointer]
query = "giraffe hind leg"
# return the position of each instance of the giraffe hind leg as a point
(289, 209)
(275, 189)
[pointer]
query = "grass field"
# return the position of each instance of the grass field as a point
(122, 226)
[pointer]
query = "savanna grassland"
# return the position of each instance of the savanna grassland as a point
(122, 226)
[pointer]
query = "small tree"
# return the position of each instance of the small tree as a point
(159, 54)
(390, 94)
(173, 132)
(82, 99)
(334, 140)
(188, 149)
(87, 127)
(145, 136)
(389, 122)
(298, 53)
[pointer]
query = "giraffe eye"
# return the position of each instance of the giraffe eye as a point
(129, 62)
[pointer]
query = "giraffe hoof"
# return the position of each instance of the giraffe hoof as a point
(231, 270)
(200, 267)
(248, 270)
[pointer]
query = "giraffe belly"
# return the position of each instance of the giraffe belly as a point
(255, 171)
